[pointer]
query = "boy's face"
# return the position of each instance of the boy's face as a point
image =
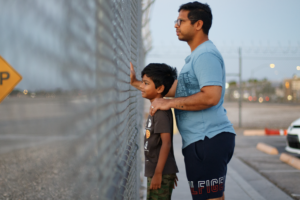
(148, 89)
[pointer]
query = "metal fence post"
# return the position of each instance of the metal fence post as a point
(240, 87)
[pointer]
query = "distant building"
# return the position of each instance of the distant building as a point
(292, 89)
(279, 92)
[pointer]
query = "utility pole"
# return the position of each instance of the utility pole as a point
(240, 87)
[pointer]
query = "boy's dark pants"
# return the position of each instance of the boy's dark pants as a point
(163, 193)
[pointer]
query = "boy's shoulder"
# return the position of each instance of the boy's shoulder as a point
(161, 114)
(163, 121)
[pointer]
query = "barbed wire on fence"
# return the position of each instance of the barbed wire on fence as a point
(249, 52)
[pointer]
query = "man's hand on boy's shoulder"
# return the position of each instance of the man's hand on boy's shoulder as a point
(159, 104)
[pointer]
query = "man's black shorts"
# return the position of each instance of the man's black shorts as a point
(206, 165)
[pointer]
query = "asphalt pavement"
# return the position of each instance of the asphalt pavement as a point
(252, 174)
(243, 181)
(285, 177)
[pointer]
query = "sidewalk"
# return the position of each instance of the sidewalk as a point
(242, 182)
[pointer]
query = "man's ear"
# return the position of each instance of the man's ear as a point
(160, 89)
(199, 25)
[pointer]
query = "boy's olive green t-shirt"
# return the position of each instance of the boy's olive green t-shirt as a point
(161, 122)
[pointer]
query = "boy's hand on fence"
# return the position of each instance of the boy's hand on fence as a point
(132, 75)
(175, 182)
(133, 81)
(156, 181)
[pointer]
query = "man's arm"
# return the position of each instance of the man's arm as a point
(207, 97)
(163, 155)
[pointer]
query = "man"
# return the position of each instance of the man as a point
(207, 135)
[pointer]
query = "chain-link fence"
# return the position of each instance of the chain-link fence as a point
(71, 130)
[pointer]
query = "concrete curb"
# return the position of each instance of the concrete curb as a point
(265, 131)
(290, 160)
(259, 183)
(254, 132)
(267, 149)
(246, 187)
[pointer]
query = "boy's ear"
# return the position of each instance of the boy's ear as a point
(160, 89)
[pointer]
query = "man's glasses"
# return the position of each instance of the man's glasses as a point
(178, 21)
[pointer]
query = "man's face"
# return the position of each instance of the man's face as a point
(186, 30)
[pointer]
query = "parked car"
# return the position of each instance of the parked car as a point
(293, 137)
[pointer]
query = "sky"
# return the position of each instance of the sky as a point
(267, 31)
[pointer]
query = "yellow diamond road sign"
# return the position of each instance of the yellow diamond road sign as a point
(9, 78)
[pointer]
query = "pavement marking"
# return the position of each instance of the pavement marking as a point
(296, 195)
(33, 141)
(279, 170)
(248, 189)
(35, 137)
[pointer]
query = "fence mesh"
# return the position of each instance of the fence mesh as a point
(72, 129)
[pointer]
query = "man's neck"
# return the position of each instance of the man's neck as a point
(196, 41)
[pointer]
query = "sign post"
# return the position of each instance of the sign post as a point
(9, 78)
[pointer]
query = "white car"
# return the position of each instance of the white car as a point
(293, 137)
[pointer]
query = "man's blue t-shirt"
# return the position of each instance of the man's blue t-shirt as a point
(204, 67)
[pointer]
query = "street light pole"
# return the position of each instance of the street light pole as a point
(240, 88)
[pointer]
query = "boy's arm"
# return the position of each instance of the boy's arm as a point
(133, 81)
(163, 155)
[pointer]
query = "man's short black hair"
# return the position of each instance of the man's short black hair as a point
(161, 74)
(199, 11)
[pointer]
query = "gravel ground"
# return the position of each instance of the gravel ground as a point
(45, 171)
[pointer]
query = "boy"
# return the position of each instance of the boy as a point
(160, 164)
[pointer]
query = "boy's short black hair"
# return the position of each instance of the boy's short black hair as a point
(161, 74)
(199, 11)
